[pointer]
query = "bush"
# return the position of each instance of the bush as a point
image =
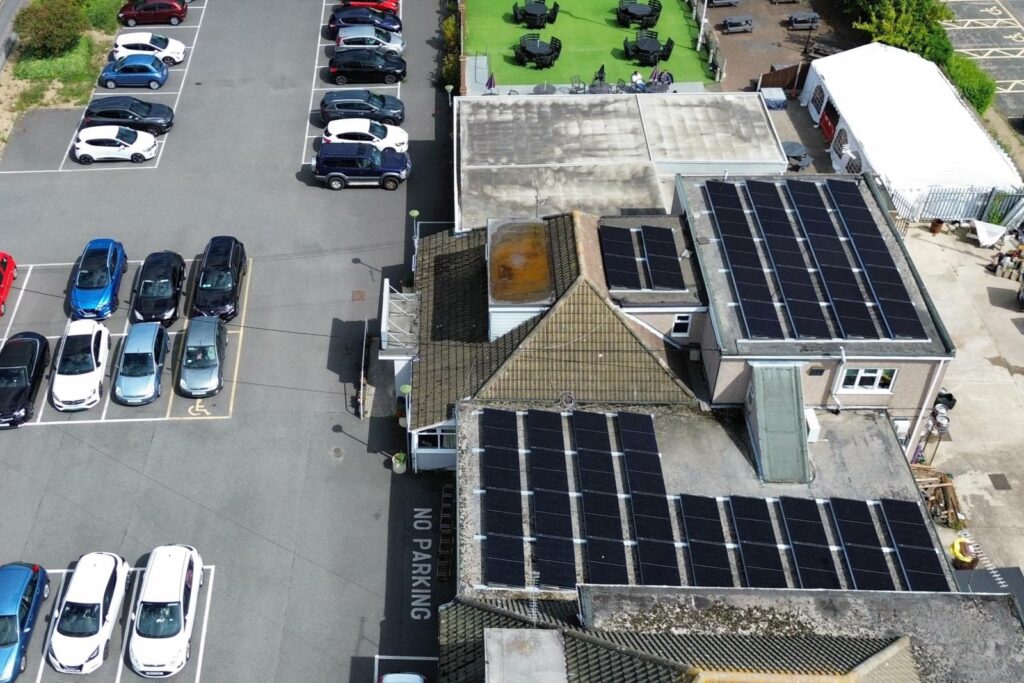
(450, 69)
(975, 85)
(48, 28)
(935, 45)
(450, 34)
(74, 65)
(102, 14)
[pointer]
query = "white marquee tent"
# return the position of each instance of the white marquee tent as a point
(901, 119)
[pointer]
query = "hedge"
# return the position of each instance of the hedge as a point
(975, 85)
(73, 65)
(102, 14)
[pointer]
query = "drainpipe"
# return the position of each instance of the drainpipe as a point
(840, 373)
(925, 405)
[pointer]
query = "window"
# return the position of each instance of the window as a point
(442, 437)
(681, 325)
(818, 98)
(840, 141)
(859, 380)
(853, 164)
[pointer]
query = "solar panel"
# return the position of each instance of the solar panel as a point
(606, 562)
(662, 255)
(597, 481)
(651, 517)
(601, 516)
(906, 523)
(701, 520)
(659, 565)
(922, 569)
(834, 268)
(709, 564)
(552, 514)
(868, 568)
(499, 468)
(645, 482)
(752, 520)
(648, 463)
(854, 524)
(619, 255)
(757, 307)
(547, 470)
(802, 303)
(544, 430)
(762, 566)
(883, 277)
(803, 521)
(503, 512)
(499, 428)
(902, 511)
(636, 433)
(590, 431)
(503, 561)
(555, 560)
(815, 566)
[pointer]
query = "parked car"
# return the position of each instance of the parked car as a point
(97, 279)
(370, 38)
(130, 112)
(8, 274)
(89, 609)
(218, 283)
(167, 50)
(165, 612)
(201, 370)
(383, 137)
(342, 164)
(362, 104)
(23, 359)
(134, 71)
(23, 588)
(157, 288)
(77, 382)
(114, 143)
(390, 6)
(140, 365)
(171, 12)
(362, 16)
(365, 66)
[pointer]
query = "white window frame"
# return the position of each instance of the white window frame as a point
(873, 377)
(681, 318)
(445, 434)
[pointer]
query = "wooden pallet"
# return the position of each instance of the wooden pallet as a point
(939, 494)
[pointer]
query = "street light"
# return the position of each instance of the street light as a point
(448, 89)
(414, 214)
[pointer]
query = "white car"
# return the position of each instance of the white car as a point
(167, 50)
(114, 143)
(380, 135)
(77, 382)
(163, 617)
(80, 643)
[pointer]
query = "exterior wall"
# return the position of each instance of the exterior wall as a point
(730, 386)
(710, 355)
(662, 322)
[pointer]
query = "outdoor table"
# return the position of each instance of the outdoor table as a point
(536, 47)
(638, 10)
(648, 45)
(545, 89)
(535, 9)
(600, 88)
(793, 149)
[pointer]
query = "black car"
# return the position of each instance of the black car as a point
(131, 112)
(22, 360)
(361, 104)
(157, 288)
(365, 66)
(219, 278)
(362, 16)
(341, 164)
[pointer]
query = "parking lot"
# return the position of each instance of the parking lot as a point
(291, 498)
(990, 32)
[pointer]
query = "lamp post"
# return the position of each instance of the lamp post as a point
(414, 214)
(448, 89)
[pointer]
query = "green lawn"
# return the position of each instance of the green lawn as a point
(590, 37)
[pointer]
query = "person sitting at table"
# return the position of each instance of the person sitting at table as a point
(638, 82)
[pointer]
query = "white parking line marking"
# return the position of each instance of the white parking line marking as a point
(127, 627)
(241, 337)
(53, 620)
(312, 94)
(91, 169)
(377, 658)
(118, 335)
(184, 77)
(10, 321)
(206, 621)
(110, 369)
(112, 420)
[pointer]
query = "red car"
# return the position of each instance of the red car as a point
(8, 274)
(153, 12)
(379, 5)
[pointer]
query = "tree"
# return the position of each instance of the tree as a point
(48, 28)
(910, 24)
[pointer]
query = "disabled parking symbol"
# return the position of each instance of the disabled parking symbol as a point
(198, 409)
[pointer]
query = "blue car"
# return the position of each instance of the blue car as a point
(134, 71)
(23, 587)
(97, 279)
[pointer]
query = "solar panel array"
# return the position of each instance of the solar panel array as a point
(805, 272)
(555, 557)
(649, 251)
(919, 562)
(759, 551)
(504, 560)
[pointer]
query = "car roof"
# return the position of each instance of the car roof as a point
(140, 337)
(202, 330)
(115, 101)
(165, 573)
(20, 349)
(89, 581)
(357, 31)
(219, 247)
(349, 126)
(159, 259)
(83, 326)
(143, 37)
(95, 133)
(100, 243)
(347, 96)
(359, 54)
(13, 578)
(139, 59)
(343, 149)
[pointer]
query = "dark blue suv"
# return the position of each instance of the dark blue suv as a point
(341, 164)
(23, 588)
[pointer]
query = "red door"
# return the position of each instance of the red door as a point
(827, 125)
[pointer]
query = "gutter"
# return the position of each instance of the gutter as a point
(925, 404)
(840, 373)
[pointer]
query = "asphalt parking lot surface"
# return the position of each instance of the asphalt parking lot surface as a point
(316, 547)
(991, 32)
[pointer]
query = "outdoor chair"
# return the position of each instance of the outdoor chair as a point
(622, 18)
(553, 13)
(640, 35)
(650, 21)
(517, 13)
(528, 37)
(622, 5)
(620, 86)
(800, 164)
(536, 20)
(629, 48)
(648, 58)
(556, 47)
(520, 56)
(666, 49)
(545, 61)
(655, 7)
(576, 86)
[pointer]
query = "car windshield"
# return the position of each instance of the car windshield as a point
(159, 619)
(13, 378)
(76, 358)
(382, 36)
(215, 280)
(92, 274)
(8, 630)
(200, 357)
(127, 135)
(159, 42)
(78, 620)
(141, 108)
(376, 100)
(378, 131)
(137, 364)
(156, 289)
(376, 157)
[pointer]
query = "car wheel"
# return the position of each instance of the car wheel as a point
(110, 84)
(138, 158)
(46, 590)
(85, 159)
(130, 22)
(340, 80)
(389, 149)
(388, 122)
(154, 131)
(169, 62)
(389, 184)
(3, 309)
(390, 79)
(154, 85)
(175, 21)
(336, 183)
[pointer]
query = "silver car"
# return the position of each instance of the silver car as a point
(140, 365)
(370, 38)
(201, 372)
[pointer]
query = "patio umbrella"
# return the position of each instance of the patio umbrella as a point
(655, 75)
(490, 82)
